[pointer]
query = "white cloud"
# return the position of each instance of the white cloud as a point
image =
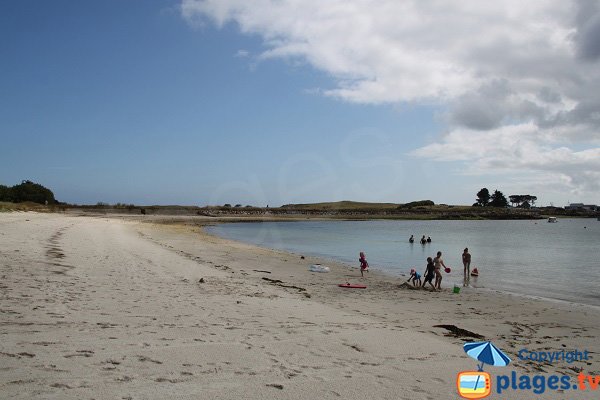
(520, 80)
(520, 150)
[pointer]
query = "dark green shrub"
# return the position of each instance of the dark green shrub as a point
(27, 191)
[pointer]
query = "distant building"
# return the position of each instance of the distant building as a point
(574, 206)
(581, 207)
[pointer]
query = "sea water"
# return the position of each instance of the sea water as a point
(532, 257)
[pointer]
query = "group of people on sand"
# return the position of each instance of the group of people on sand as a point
(432, 270)
(423, 240)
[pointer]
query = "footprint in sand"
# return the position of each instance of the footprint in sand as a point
(80, 353)
(275, 385)
(144, 359)
(61, 386)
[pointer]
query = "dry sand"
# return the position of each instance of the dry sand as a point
(97, 308)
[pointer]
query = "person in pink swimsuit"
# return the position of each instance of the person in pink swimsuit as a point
(364, 265)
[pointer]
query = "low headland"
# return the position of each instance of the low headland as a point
(350, 210)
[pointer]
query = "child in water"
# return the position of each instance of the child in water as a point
(364, 265)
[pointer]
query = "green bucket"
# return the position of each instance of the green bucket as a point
(456, 289)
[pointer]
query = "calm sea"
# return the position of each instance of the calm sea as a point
(552, 260)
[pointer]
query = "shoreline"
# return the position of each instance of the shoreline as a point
(384, 274)
(381, 275)
(125, 308)
(398, 274)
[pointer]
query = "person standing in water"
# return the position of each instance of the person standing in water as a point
(364, 265)
(466, 259)
(438, 263)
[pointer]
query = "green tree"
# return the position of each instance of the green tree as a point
(30, 191)
(498, 199)
(420, 203)
(530, 199)
(5, 193)
(483, 198)
(522, 200)
(516, 199)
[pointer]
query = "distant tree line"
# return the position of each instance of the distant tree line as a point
(420, 203)
(27, 191)
(498, 199)
(522, 200)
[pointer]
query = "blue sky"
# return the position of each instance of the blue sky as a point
(201, 102)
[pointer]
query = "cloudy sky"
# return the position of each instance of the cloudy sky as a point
(275, 101)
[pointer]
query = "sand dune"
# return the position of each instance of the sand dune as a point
(118, 309)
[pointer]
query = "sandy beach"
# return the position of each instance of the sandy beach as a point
(120, 308)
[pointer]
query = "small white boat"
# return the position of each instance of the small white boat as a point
(552, 219)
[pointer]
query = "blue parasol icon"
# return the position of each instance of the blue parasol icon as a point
(487, 353)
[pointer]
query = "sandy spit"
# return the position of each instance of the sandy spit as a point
(115, 308)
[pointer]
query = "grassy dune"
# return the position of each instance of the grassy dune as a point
(422, 210)
(27, 206)
(342, 205)
(30, 206)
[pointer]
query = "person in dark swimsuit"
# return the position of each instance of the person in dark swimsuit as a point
(429, 273)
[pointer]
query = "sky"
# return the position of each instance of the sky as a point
(271, 102)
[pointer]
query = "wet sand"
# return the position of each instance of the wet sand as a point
(95, 307)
